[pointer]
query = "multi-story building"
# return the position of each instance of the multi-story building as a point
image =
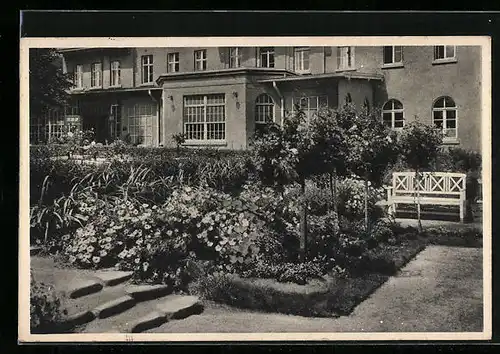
(220, 96)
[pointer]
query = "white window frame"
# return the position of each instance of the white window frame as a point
(173, 62)
(446, 58)
(445, 119)
(200, 60)
(203, 122)
(393, 60)
(96, 75)
(115, 113)
(115, 73)
(343, 54)
(268, 53)
(147, 69)
(234, 57)
(301, 57)
(393, 111)
(78, 76)
(308, 111)
(262, 107)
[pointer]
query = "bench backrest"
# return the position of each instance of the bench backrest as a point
(432, 183)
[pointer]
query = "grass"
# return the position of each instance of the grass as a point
(335, 297)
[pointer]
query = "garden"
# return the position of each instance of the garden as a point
(291, 225)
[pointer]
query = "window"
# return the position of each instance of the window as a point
(393, 115)
(302, 59)
(310, 105)
(266, 57)
(95, 75)
(140, 123)
(345, 58)
(234, 57)
(264, 111)
(366, 105)
(205, 117)
(393, 55)
(444, 116)
(200, 60)
(444, 52)
(173, 62)
(147, 69)
(115, 73)
(78, 76)
(348, 99)
(115, 121)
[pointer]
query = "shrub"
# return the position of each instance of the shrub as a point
(298, 273)
(351, 199)
(46, 312)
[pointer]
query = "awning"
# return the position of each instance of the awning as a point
(340, 75)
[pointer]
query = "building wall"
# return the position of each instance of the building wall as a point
(235, 108)
(416, 84)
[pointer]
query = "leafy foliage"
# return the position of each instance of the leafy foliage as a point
(48, 83)
(46, 311)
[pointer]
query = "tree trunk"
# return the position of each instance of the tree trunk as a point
(333, 191)
(303, 222)
(417, 196)
(366, 204)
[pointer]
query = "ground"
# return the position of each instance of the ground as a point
(439, 291)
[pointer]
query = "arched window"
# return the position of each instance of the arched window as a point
(393, 115)
(444, 116)
(264, 111)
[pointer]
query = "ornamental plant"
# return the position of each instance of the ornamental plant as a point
(289, 154)
(419, 147)
(372, 147)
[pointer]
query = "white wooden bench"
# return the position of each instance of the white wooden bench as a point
(435, 188)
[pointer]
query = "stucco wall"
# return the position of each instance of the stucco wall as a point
(236, 131)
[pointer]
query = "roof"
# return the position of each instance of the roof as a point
(342, 75)
(114, 90)
(224, 72)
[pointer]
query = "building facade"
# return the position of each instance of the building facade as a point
(220, 96)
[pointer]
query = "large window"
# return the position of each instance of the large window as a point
(310, 105)
(95, 75)
(302, 59)
(147, 69)
(205, 117)
(78, 76)
(234, 57)
(393, 55)
(266, 57)
(444, 116)
(173, 62)
(264, 111)
(115, 79)
(393, 114)
(444, 52)
(140, 123)
(345, 58)
(200, 60)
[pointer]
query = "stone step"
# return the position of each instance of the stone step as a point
(114, 307)
(148, 292)
(79, 287)
(147, 315)
(113, 277)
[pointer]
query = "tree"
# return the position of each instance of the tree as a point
(419, 145)
(332, 147)
(372, 147)
(289, 154)
(48, 84)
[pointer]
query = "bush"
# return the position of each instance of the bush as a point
(298, 273)
(351, 199)
(46, 312)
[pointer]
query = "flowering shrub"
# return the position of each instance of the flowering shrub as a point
(46, 312)
(351, 198)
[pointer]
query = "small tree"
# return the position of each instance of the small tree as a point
(419, 146)
(372, 147)
(288, 154)
(331, 143)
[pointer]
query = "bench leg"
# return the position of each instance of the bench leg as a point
(462, 207)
